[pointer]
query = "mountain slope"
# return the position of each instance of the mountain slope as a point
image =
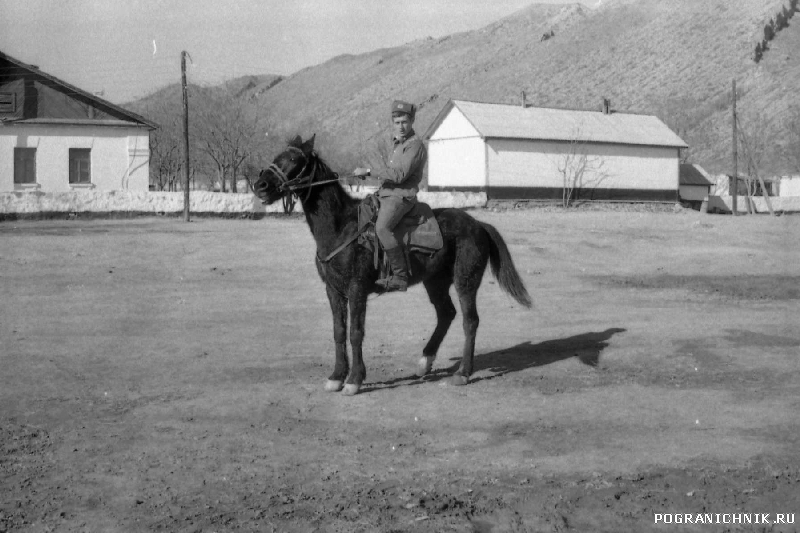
(671, 58)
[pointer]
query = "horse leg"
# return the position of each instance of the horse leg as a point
(339, 310)
(358, 314)
(467, 274)
(469, 310)
(439, 295)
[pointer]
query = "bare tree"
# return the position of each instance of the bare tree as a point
(578, 169)
(165, 146)
(227, 134)
(753, 146)
(792, 146)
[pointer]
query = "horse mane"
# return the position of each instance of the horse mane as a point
(339, 202)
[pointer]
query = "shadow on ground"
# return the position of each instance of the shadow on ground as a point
(586, 347)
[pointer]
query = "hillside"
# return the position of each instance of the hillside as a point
(671, 58)
(244, 86)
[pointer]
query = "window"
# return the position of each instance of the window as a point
(24, 165)
(80, 168)
(8, 102)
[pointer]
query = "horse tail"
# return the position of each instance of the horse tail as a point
(503, 267)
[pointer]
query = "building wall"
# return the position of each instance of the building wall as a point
(789, 186)
(694, 192)
(522, 163)
(456, 155)
(530, 169)
(119, 156)
(454, 126)
(457, 163)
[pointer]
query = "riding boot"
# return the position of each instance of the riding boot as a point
(398, 280)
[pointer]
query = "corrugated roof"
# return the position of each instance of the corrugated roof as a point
(539, 123)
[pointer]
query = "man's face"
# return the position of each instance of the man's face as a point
(402, 125)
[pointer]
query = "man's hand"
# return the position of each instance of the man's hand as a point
(361, 172)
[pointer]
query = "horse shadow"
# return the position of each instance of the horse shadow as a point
(586, 347)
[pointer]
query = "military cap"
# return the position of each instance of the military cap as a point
(398, 106)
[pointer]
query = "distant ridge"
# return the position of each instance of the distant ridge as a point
(671, 58)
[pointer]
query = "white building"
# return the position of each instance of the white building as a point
(55, 137)
(789, 186)
(516, 152)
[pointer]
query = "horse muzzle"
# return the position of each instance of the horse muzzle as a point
(266, 192)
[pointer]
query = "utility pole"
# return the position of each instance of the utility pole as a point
(185, 139)
(734, 192)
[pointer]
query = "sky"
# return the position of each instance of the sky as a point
(126, 49)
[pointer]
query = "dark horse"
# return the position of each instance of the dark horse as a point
(350, 275)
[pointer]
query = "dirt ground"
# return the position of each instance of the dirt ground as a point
(163, 376)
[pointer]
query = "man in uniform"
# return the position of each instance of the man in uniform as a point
(398, 191)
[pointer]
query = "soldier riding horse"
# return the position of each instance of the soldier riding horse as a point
(351, 275)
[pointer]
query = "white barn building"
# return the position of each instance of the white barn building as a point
(55, 137)
(516, 152)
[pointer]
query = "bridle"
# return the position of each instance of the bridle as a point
(302, 180)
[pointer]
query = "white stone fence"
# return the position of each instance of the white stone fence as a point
(167, 203)
(786, 189)
(780, 204)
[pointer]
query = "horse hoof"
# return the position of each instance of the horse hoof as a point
(458, 380)
(424, 365)
(333, 385)
(351, 389)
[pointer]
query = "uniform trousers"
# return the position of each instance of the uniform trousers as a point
(391, 212)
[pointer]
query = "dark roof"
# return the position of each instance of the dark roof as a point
(691, 174)
(51, 110)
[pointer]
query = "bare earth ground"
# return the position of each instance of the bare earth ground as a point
(163, 376)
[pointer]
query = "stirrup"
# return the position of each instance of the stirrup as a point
(393, 283)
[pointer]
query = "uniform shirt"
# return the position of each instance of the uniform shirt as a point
(405, 166)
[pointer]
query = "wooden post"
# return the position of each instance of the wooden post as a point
(185, 139)
(734, 192)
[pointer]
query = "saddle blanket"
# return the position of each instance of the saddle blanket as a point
(418, 230)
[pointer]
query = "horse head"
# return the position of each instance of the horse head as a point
(287, 169)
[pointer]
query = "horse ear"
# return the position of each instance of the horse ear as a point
(297, 142)
(308, 146)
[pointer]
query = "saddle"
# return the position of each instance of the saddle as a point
(418, 230)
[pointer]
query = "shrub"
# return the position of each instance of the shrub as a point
(780, 22)
(769, 32)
